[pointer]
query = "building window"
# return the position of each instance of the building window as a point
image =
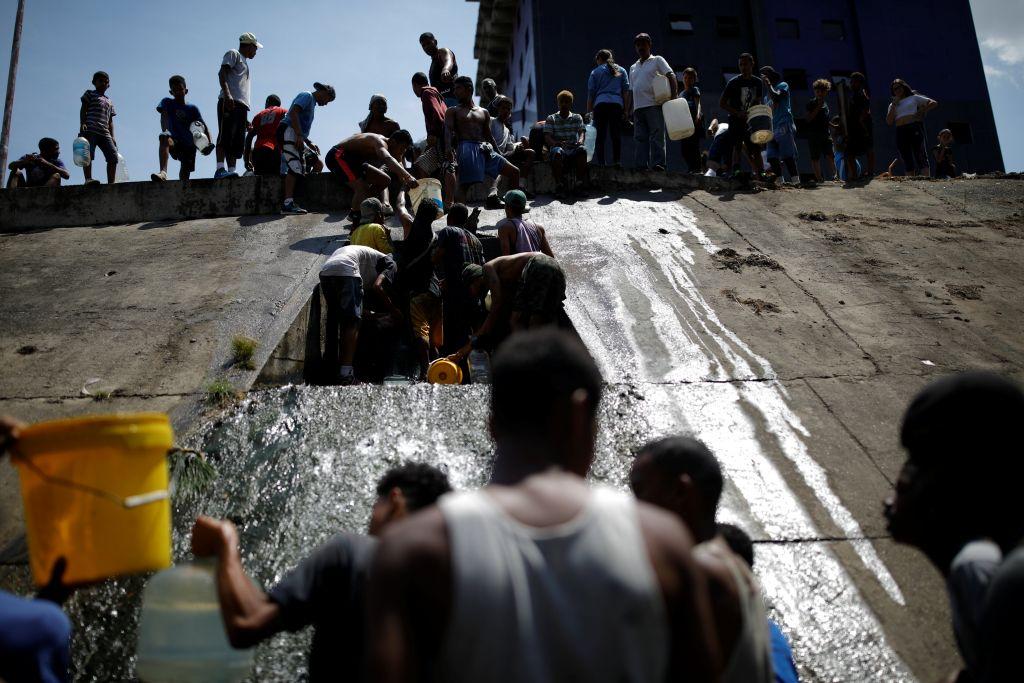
(729, 73)
(681, 23)
(787, 29)
(797, 78)
(727, 27)
(833, 30)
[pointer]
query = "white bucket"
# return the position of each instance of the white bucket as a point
(427, 188)
(759, 124)
(678, 121)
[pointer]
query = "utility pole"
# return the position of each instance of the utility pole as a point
(5, 133)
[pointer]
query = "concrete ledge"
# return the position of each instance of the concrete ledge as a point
(80, 205)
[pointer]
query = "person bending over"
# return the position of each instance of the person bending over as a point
(359, 162)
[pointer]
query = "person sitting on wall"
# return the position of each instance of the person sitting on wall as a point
(945, 165)
(564, 133)
(519, 151)
(40, 170)
(327, 589)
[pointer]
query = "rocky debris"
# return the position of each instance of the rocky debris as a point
(759, 306)
(821, 216)
(835, 237)
(732, 260)
(969, 292)
(26, 350)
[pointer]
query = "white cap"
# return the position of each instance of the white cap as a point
(249, 39)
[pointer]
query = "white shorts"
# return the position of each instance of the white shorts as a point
(291, 158)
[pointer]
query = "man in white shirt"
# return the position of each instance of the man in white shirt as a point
(648, 122)
(233, 104)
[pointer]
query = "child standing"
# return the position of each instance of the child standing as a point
(945, 166)
(176, 141)
(97, 119)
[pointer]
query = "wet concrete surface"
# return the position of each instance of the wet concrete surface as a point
(802, 406)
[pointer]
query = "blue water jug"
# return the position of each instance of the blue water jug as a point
(80, 148)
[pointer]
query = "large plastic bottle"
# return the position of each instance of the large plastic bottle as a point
(121, 174)
(199, 137)
(479, 367)
(662, 89)
(678, 121)
(80, 149)
(181, 632)
(590, 141)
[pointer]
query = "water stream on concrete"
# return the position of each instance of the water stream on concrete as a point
(297, 464)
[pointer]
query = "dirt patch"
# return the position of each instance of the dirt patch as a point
(835, 237)
(821, 216)
(732, 260)
(759, 306)
(968, 292)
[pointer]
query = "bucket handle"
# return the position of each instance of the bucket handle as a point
(128, 503)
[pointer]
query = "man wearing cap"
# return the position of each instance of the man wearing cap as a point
(516, 234)
(371, 232)
(293, 136)
(527, 291)
(648, 121)
(345, 277)
(233, 104)
(958, 501)
(783, 143)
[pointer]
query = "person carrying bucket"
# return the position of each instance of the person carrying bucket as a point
(783, 143)
(741, 93)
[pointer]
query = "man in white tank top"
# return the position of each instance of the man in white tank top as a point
(682, 476)
(517, 235)
(539, 577)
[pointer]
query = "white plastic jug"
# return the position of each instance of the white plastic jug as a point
(590, 141)
(181, 632)
(80, 150)
(662, 90)
(199, 136)
(678, 121)
(121, 174)
(427, 188)
(479, 367)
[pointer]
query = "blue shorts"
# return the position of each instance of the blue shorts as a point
(783, 145)
(104, 142)
(567, 154)
(475, 164)
(720, 150)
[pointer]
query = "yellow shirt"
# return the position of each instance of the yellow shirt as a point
(372, 235)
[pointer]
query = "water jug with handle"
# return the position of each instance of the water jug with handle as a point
(429, 189)
(590, 141)
(121, 175)
(181, 631)
(678, 121)
(662, 90)
(759, 124)
(80, 149)
(199, 137)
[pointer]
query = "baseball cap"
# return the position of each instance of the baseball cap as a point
(369, 209)
(516, 199)
(471, 272)
(329, 89)
(249, 39)
(643, 36)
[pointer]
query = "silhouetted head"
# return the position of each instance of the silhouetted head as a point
(738, 541)
(399, 142)
(458, 214)
(965, 463)
(488, 89)
(404, 490)
(419, 82)
(643, 44)
(545, 391)
(101, 81)
(463, 89)
(746, 64)
(49, 148)
(272, 101)
(681, 475)
(429, 43)
(323, 93)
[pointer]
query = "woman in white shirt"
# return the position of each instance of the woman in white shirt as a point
(906, 112)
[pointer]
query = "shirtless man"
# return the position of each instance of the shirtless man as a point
(540, 576)
(443, 67)
(358, 161)
(466, 126)
(527, 291)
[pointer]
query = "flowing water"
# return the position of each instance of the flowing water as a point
(297, 464)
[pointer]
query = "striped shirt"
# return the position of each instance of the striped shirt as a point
(98, 110)
(564, 130)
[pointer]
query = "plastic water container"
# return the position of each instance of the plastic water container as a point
(181, 632)
(80, 150)
(121, 174)
(199, 136)
(759, 124)
(678, 121)
(95, 493)
(429, 189)
(479, 367)
(590, 141)
(443, 371)
(662, 90)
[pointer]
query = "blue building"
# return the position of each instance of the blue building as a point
(534, 48)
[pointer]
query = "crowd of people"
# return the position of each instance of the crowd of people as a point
(542, 576)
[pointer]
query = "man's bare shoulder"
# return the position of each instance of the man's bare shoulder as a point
(420, 540)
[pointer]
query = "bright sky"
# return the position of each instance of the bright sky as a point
(360, 48)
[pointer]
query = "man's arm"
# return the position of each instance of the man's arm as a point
(447, 63)
(53, 168)
(296, 125)
(497, 297)
(82, 114)
(627, 98)
(545, 248)
(222, 75)
(396, 168)
(110, 127)
(248, 613)
(449, 133)
(378, 288)
(673, 82)
(488, 133)
(506, 236)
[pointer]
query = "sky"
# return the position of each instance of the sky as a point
(360, 48)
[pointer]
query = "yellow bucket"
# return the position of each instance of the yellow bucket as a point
(95, 493)
(443, 371)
